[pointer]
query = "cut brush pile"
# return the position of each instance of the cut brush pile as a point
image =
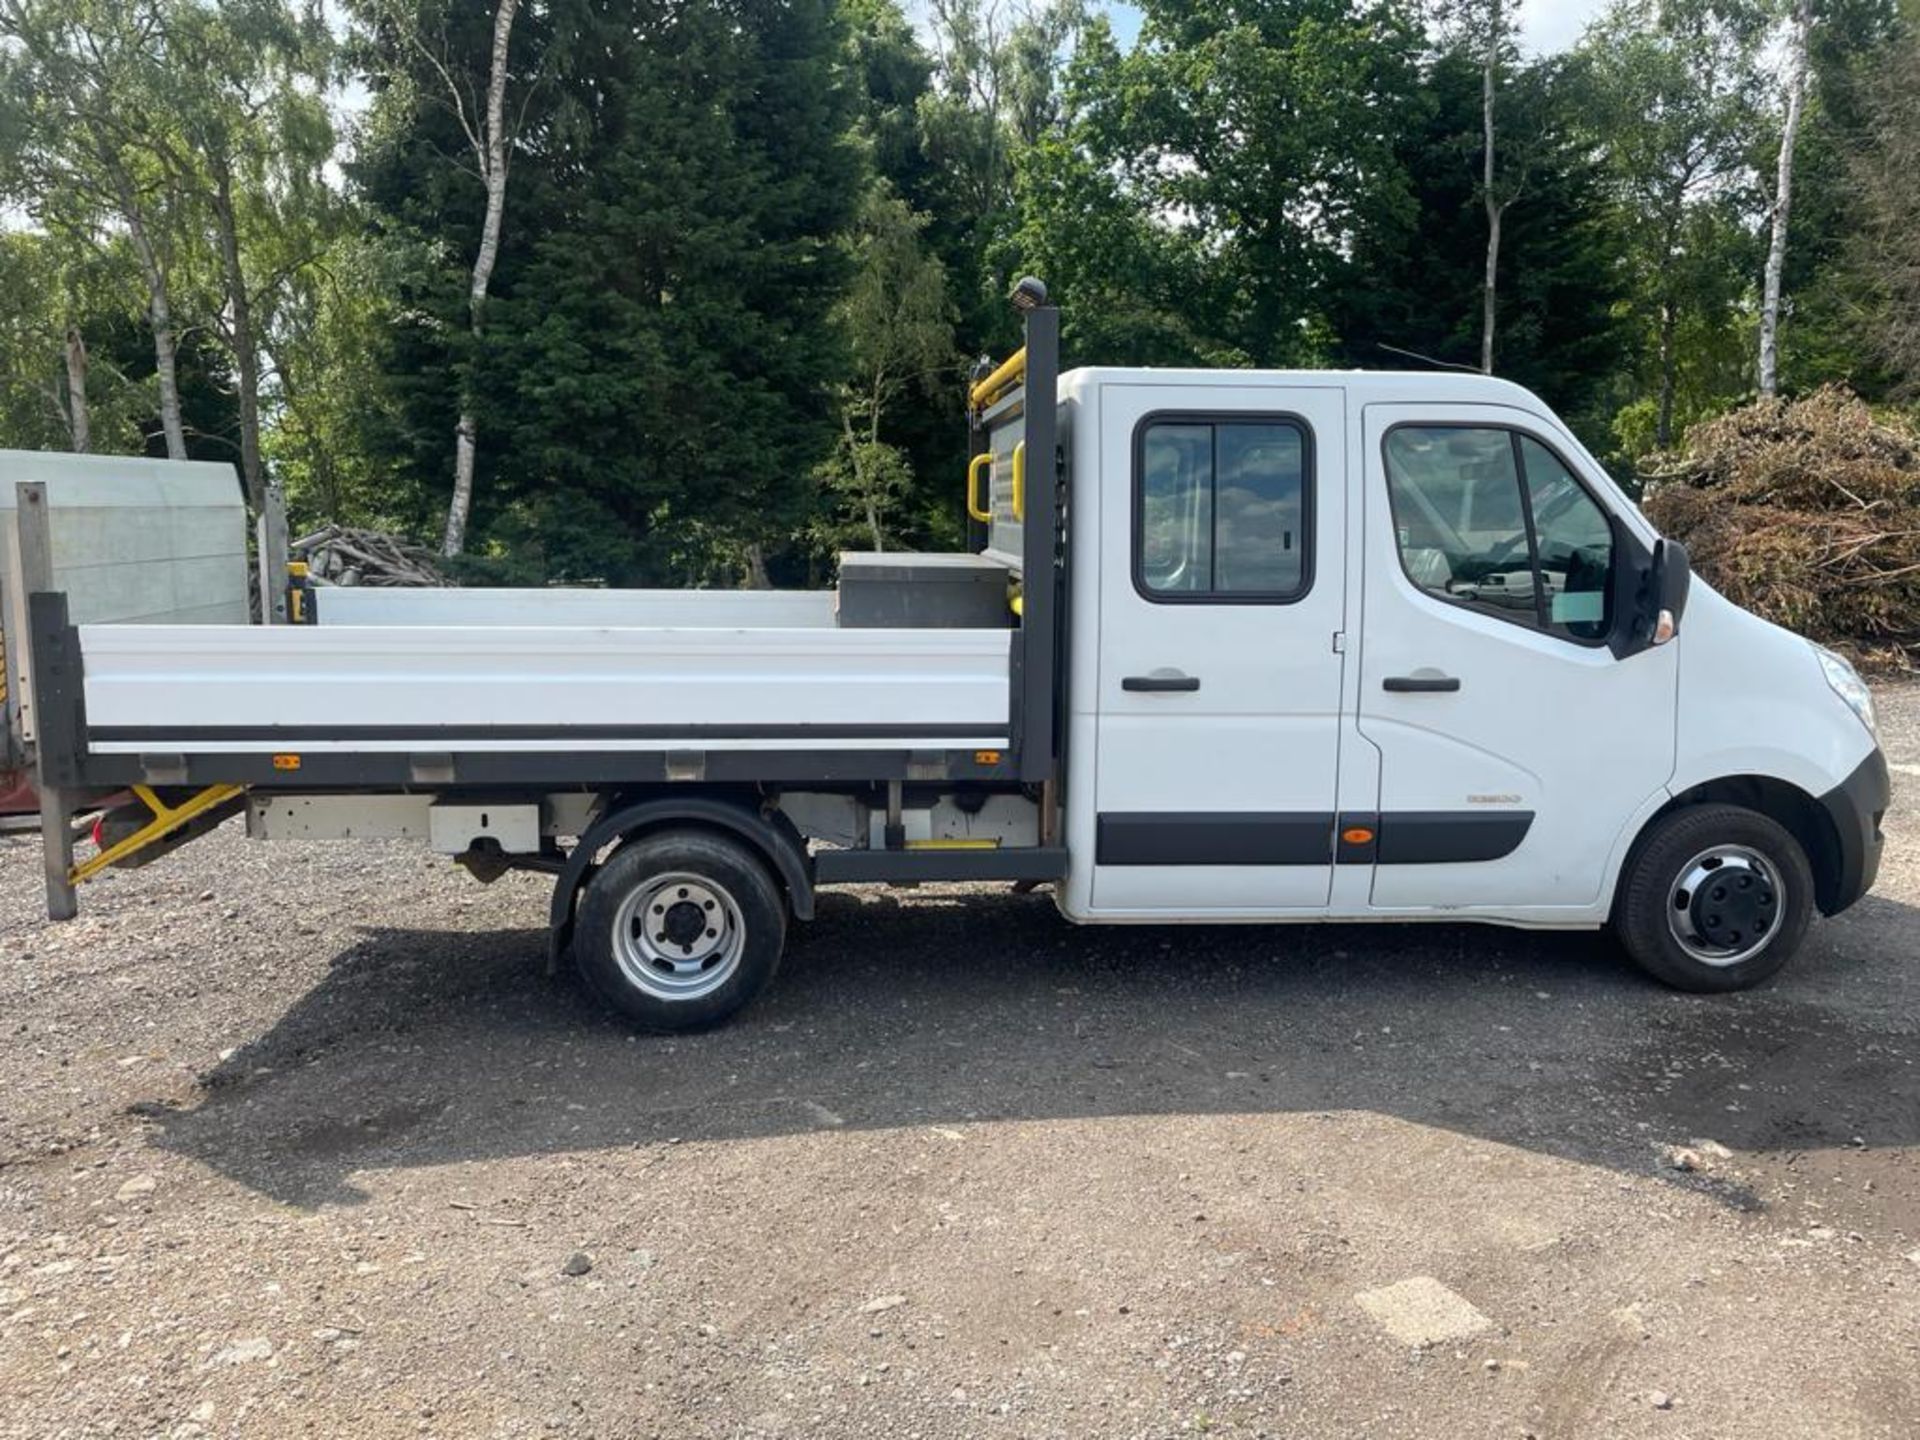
(338, 555)
(1806, 512)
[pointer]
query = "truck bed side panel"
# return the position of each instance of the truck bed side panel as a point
(195, 689)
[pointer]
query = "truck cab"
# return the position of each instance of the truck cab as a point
(1373, 646)
(1257, 646)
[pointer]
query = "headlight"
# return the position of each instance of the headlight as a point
(1848, 685)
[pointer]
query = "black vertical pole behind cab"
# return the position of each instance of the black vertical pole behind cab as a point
(1037, 640)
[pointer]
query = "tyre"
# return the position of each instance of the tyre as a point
(680, 929)
(1715, 897)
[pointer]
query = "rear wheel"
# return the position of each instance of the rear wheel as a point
(680, 929)
(1716, 898)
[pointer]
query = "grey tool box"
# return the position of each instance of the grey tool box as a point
(901, 590)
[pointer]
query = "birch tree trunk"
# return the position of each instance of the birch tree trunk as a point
(1783, 199)
(159, 319)
(1669, 323)
(246, 352)
(1494, 207)
(490, 150)
(79, 419)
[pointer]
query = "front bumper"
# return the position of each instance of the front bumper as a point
(1856, 806)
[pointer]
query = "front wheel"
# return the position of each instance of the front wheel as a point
(1717, 897)
(680, 929)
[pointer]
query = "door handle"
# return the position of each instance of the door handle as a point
(1421, 684)
(1161, 682)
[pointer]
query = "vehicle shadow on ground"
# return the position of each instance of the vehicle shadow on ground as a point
(427, 1048)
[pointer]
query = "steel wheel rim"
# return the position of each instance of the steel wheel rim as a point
(1726, 905)
(678, 936)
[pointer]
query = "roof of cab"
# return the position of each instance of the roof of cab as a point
(1437, 387)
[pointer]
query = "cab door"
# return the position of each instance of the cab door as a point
(1513, 747)
(1217, 724)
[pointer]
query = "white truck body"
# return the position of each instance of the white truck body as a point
(1288, 646)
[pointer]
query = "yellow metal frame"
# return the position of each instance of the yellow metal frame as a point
(976, 509)
(1020, 481)
(1012, 370)
(166, 819)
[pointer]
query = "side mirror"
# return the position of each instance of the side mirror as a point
(1669, 579)
(1650, 594)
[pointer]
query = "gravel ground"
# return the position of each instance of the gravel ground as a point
(300, 1140)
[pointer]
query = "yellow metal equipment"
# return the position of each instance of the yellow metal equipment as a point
(166, 819)
(1012, 370)
(977, 507)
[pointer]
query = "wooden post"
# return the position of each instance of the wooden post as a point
(56, 805)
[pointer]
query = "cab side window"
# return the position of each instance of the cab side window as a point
(1221, 509)
(1491, 520)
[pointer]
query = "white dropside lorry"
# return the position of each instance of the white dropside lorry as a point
(1256, 646)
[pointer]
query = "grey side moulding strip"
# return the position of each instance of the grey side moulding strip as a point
(841, 867)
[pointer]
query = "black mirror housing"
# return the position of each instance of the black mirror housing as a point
(1654, 587)
(1672, 578)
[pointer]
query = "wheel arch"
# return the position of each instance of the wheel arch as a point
(1792, 808)
(771, 836)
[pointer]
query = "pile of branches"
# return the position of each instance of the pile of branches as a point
(1806, 512)
(339, 555)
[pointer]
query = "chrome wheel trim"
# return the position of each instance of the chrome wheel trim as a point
(678, 936)
(1726, 905)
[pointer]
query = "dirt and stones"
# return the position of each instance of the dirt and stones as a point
(302, 1141)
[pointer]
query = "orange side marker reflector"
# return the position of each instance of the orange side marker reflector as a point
(286, 762)
(986, 757)
(1357, 835)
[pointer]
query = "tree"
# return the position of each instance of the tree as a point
(1676, 85)
(1127, 281)
(896, 319)
(1851, 44)
(1411, 289)
(1798, 36)
(429, 55)
(1487, 30)
(78, 82)
(330, 321)
(185, 133)
(1883, 256)
(59, 387)
(658, 363)
(1496, 33)
(1242, 150)
(248, 136)
(994, 94)
(489, 140)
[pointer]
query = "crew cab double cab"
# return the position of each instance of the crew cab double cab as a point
(1229, 646)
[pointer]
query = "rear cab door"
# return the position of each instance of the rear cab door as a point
(1216, 712)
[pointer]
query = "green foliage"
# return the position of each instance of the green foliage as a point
(659, 351)
(1408, 292)
(1239, 151)
(897, 320)
(46, 290)
(751, 247)
(334, 408)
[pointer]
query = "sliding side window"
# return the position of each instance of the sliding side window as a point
(1221, 509)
